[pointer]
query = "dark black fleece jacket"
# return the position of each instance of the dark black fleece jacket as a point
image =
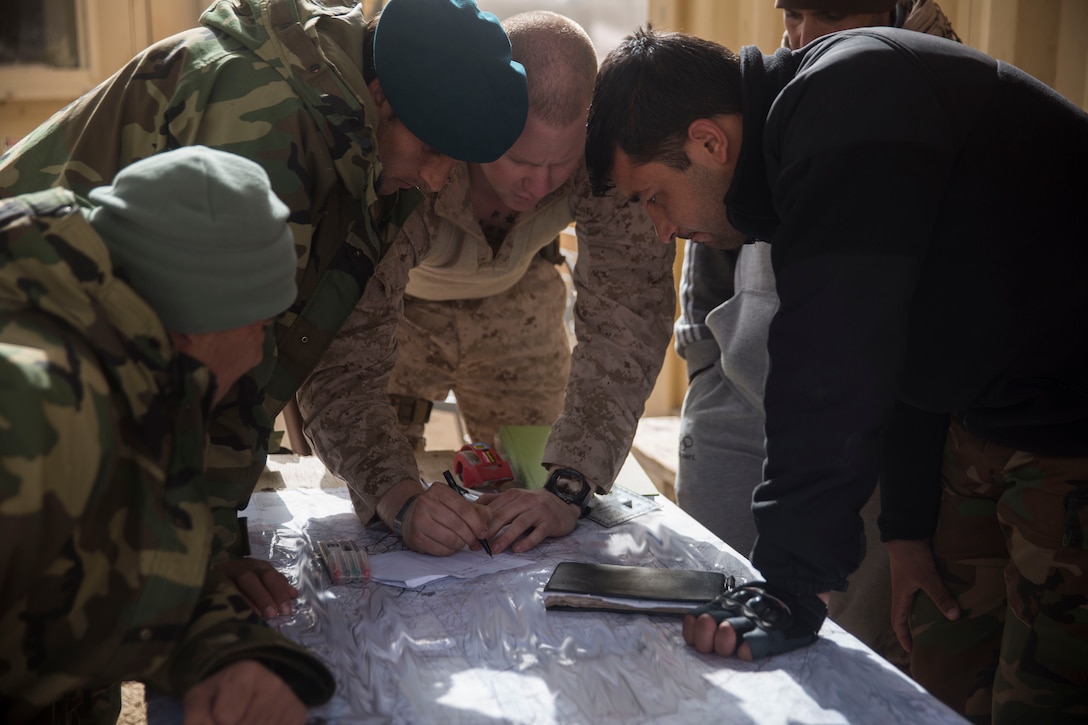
(926, 206)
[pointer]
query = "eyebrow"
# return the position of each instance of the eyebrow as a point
(522, 160)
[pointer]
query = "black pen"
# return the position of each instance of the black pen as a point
(458, 489)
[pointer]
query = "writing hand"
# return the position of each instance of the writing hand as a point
(913, 569)
(441, 522)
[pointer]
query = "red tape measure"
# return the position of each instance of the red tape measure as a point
(477, 463)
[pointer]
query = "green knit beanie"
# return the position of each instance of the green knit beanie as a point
(201, 236)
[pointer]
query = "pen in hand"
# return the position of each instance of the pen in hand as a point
(458, 489)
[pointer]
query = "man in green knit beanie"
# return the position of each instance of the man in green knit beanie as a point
(121, 328)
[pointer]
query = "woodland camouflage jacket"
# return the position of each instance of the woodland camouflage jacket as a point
(280, 82)
(107, 531)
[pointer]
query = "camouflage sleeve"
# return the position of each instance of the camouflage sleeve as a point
(55, 429)
(58, 429)
(623, 315)
(236, 455)
(195, 88)
(224, 629)
(348, 417)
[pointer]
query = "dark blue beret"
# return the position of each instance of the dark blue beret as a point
(446, 69)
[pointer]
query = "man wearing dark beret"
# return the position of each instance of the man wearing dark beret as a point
(350, 118)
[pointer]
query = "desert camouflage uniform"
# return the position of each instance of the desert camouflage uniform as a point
(107, 531)
(279, 82)
(624, 310)
(505, 356)
(1011, 547)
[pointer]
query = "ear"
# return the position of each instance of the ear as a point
(183, 342)
(708, 139)
(376, 92)
(180, 340)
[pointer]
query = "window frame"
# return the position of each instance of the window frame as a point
(41, 82)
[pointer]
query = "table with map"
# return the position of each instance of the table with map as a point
(485, 650)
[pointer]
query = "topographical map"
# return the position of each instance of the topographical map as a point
(484, 650)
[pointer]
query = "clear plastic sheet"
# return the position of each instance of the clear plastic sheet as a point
(486, 651)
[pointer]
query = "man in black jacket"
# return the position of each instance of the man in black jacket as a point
(923, 205)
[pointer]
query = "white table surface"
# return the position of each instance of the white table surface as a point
(486, 651)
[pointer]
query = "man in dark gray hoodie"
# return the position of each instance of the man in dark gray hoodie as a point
(923, 202)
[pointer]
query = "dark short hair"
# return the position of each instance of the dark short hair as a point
(650, 88)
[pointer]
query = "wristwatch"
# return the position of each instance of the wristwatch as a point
(571, 487)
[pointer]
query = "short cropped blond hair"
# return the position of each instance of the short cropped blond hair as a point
(560, 64)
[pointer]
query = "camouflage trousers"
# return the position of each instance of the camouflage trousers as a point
(506, 357)
(1010, 546)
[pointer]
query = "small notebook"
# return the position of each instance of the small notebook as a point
(610, 587)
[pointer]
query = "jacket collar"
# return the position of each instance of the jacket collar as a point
(749, 201)
(454, 202)
(318, 49)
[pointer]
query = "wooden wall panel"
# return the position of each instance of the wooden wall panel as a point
(1046, 38)
(1071, 68)
(115, 30)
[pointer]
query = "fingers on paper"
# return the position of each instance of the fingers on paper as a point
(526, 518)
(708, 636)
(266, 589)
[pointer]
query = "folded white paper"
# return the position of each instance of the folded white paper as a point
(412, 570)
